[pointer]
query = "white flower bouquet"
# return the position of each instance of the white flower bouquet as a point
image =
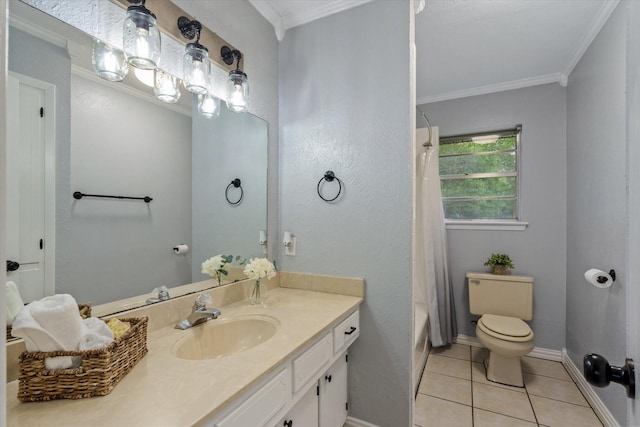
(256, 269)
(216, 266)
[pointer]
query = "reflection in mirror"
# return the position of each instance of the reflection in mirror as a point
(110, 138)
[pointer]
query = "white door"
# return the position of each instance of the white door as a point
(333, 394)
(30, 162)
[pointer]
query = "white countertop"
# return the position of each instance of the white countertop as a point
(163, 390)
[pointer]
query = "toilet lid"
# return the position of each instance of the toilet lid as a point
(508, 326)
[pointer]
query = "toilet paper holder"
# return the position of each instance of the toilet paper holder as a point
(602, 279)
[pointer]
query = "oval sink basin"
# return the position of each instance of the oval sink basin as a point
(218, 338)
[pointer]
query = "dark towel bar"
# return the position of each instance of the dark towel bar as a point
(78, 195)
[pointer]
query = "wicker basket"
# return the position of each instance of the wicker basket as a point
(101, 369)
(84, 309)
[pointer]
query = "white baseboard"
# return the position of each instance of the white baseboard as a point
(354, 422)
(539, 352)
(598, 406)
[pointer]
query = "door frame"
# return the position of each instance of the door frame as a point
(49, 127)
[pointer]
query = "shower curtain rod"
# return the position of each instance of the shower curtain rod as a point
(428, 142)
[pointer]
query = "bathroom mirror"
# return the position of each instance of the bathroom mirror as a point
(117, 139)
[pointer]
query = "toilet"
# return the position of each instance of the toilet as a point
(503, 302)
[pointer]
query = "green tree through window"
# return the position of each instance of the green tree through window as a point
(479, 175)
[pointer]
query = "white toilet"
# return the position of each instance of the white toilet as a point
(503, 301)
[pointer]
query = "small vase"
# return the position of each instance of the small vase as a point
(500, 269)
(219, 276)
(258, 293)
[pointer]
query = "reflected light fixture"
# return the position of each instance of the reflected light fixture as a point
(208, 104)
(237, 82)
(141, 36)
(108, 62)
(166, 87)
(145, 77)
(196, 65)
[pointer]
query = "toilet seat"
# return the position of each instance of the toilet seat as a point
(505, 328)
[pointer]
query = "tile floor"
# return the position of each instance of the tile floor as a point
(454, 391)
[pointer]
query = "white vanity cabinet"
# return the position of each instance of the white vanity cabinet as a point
(333, 394)
(304, 413)
(309, 389)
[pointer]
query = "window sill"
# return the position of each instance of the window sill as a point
(487, 225)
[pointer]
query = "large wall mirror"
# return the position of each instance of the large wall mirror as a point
(99, 137)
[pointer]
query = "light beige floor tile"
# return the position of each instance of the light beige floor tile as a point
(445, 387)
(507, 402)
(554, 413)
(433, 412)
(479, 375)
(449, 366)
(546, 368)
(458, 351)
(483, 418)
(551, 388)
(478, 354)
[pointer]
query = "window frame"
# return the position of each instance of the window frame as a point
(515, 224)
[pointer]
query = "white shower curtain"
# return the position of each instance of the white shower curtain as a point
(432, 267)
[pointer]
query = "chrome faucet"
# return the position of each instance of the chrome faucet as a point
(200, 312)
(163, 295)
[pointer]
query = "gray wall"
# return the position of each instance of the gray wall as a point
(597, 198)
(231, 146)
(540, 250)
(345, 106)
(124, 145)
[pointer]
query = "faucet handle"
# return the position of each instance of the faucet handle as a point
(202, 300)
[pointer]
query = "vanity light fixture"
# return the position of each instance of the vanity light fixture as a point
(196, 65)
(141, 36)
(208, 104)
(108, 62)
(166, 87)
(237, 82)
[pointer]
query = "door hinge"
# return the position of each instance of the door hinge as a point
(317, 390)
(41, 111)
(346, 358)
(41, 244)
(346, 405)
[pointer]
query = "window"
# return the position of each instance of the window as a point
(479, 176)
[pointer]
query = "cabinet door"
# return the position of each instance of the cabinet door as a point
(304, 413)
(333, 394)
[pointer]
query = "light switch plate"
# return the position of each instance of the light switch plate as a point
(291, 249)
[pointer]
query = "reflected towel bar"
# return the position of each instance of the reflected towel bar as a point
(78, 195)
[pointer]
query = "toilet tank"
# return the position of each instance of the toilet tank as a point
(504, 295)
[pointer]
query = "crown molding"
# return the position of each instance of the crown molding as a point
(329, 8)
(500, 87)
(37, 31)
(268, 12)
(121, 87)
(598, 22)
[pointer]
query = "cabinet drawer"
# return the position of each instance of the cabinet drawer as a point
(311, 362)
(263, 405)
(346, 332)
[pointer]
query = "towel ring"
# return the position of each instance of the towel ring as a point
(329, 176)
(236, 184)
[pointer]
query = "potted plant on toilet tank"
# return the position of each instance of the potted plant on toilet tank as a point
(499, 263)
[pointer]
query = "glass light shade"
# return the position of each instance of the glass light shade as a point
(196, 67)
(141, 38)
(237, 91)
(166, 87)
(146, 77)
(209, 105)
(108, 62)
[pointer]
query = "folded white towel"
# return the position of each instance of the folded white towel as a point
(96, 335)
(13, 300)
(51, 324)
(59, 316)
